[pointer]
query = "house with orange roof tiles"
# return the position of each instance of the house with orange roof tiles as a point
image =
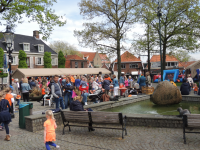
(130, 64)
(104, 60)
(75, 61)
(94, 59)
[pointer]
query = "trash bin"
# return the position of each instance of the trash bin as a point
(23, 111)
(30, 106)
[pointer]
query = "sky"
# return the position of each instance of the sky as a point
(71, 12)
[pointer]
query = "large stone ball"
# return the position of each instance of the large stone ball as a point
(166, 93)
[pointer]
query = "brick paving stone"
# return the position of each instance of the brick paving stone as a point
(139, 138)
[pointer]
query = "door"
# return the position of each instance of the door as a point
(28, 62)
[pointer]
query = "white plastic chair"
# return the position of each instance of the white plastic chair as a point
(48, 99)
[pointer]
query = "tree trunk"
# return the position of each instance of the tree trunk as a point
(118, 58)
(148, 49)
(164, 55)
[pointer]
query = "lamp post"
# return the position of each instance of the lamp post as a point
(9, 36)
(159, 14)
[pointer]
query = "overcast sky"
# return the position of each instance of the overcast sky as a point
(74, 21)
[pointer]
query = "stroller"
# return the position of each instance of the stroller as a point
(96, 96)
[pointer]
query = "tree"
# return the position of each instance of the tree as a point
(180, 24)
(65, 47)
(113, 18)
(47, 60)
(61, 60)
(22, 59)
(182, 56)
(1, 58)
(40, 11)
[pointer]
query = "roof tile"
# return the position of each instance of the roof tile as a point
(128, 57)
(90, 55)
(156, 58)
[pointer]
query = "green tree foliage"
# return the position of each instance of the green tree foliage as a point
(1, 57)
(109, 22)
(22, 59)
(180, 24)
(61, 60)
(65, 47)
(181, 55)
(47, 60)
(40, 11)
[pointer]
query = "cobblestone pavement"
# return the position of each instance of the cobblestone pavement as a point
(139, 138)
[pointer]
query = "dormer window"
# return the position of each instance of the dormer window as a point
(40, 48)
(26, 46)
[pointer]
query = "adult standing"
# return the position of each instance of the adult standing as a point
(142, 81)
(190, 81)
(15, 86)
(5, 116)
(115, 85)
(56, 90)
(77, 81)
(25, 90)
(50, 84)
(106, 84)
(148, 79)
(185, 88)
(126, 82)
(84, 92)
(32, 83)
(72, 79)
(68, 87)
(129, 81)
(121, 80)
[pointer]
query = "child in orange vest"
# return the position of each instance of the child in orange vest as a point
(49, 130)
(195, 88)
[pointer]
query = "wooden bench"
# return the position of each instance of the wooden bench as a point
(94, 118)
(190, 121)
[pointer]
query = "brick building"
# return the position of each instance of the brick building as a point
(74, 61)
(130, 65)
(104, 60)
(34, 48)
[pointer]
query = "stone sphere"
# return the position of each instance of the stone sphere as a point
(166, 94)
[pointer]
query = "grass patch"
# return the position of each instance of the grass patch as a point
(179, 83)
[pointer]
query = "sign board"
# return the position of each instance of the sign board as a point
(155, 64)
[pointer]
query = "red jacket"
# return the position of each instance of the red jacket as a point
(82, 89)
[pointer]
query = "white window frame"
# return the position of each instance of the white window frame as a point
(53, 61)
(124, 66)
(38, 61)
(39, 45)
(131, 67)
(28, 47)
(14, 62)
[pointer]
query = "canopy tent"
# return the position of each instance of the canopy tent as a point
(25, 72)
(193, 68)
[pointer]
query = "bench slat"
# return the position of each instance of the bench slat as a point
(105, 117)
(193, 116)
(76, 116)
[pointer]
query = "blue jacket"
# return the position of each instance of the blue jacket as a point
(115, 82)
(142, 81)
(121, 80)
(77, 82)
(185, 89)
(76, 106)
(32, 84)
(25, 87)
(106, 84)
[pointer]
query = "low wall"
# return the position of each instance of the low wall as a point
(154, 121)
(35, 122)
(191, 98)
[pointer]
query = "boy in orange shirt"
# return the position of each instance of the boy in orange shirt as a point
(195, 88)
(9, 97)
(43, 93)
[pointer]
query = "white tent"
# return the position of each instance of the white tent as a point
(26, 72)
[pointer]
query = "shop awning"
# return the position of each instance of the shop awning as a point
(134, 73)
(22, 72)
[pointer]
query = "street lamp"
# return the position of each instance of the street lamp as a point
(9, 36)
(159, 14)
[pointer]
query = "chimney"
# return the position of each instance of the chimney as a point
(139, 57)
(36, 34)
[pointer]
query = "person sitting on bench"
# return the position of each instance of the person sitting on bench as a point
(76, 105)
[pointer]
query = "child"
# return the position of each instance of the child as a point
(10, 98)
(18, 97)
(172, 82)
(95, 85)
(83, 83)
(43, 93)
(100, 83)
(195, 88)
(49, 130)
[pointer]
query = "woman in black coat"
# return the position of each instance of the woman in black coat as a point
(5, 116)
(185, 88)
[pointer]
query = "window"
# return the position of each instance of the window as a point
(39, 61)
(168, 64)
(82, 64)
(133, 65)
(40, 48)
(123, 66)
(53, 61)
(14, 61)
(28, 61)
(26, 47)
(76, 64)
(172, 63)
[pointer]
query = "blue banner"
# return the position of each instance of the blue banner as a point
(5, 62)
